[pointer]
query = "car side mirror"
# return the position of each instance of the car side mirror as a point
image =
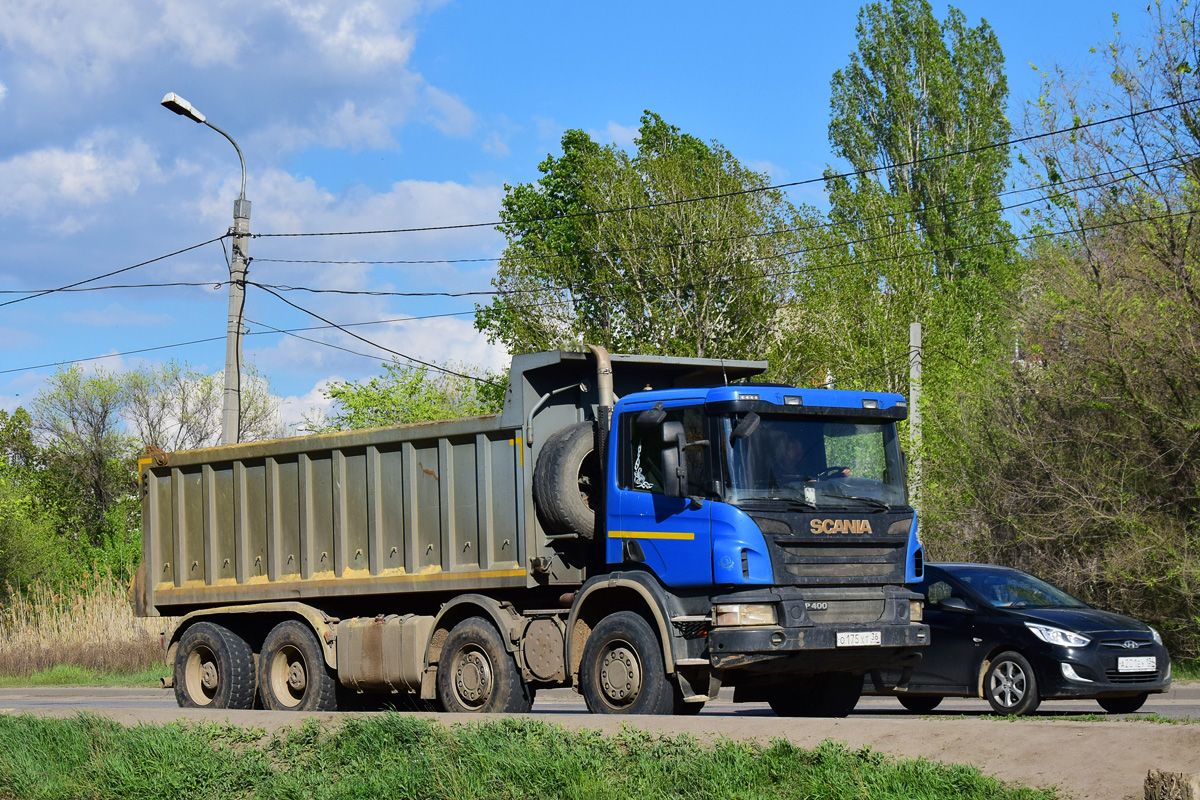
(674, 468)
(955, 604)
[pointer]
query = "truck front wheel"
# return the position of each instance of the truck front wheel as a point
(476, 674)
(214, 668)
(291, 671)
(622, 671)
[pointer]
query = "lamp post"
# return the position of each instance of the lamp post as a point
(231, 407)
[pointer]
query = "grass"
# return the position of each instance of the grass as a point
(70, 675)
(87, 625)
(1185, 670)
(399, 756)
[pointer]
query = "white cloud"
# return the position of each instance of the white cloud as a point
(294, 409)
(548, 128)
(3, 92)
(620, 135)
(360, 35)
(496, 145)
(115, 315)
(95, 171)
(776, 173)
(449, 114)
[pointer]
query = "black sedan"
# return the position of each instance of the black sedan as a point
(1015, 640)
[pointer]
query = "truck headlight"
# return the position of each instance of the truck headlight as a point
(1058, 636)
(916, 610)
(732, 614)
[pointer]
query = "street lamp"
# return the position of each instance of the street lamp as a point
(231, 408)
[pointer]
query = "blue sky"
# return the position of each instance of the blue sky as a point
(374, 115)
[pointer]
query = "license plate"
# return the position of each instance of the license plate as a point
(861, 639)
(1136, 664)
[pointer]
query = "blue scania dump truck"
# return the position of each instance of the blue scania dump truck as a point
(646, 530)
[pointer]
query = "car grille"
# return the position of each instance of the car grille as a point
(1119, 644)
(1114, 676)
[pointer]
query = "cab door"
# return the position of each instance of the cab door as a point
(671, 536)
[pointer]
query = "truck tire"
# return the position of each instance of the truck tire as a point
(567, 479)
(476, 674)
(292, 675)
(214, 668)
(622, 670)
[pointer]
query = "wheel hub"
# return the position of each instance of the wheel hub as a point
(473, 678)
(621, 675)
(297, 679)
(208, 675)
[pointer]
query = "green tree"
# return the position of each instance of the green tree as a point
(1087, 463)
(406, 394)
(915, 230)
(608, 248)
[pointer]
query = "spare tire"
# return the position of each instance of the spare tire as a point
(566, 481)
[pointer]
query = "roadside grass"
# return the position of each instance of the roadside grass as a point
(87, 624)
(70, 675)
(1188, 670)
(400, 756)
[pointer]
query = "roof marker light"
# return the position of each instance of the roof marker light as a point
(742, 396)
(793, 400)
(870, 403)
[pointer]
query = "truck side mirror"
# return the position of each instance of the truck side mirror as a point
(674, 468)
(652, 417)
(746, 427)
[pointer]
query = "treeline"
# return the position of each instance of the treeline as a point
(1058, 294)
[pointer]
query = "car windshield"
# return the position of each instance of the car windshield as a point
(1012, 589)
(814, 462)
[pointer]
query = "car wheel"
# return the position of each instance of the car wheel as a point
(1123, 705)
(214, 668)
(919, 703)
(622, 671)
(477, 674)
(292, 675)
(1010, 686)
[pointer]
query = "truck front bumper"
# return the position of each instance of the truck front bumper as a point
(810, 650)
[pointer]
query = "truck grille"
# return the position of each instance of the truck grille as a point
(846, 611)
(837, 560)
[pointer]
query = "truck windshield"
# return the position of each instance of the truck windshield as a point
(814, 462)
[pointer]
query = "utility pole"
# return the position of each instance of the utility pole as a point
(914, 409)
(232, 402)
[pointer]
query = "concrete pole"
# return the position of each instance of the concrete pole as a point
(914, 410)
(232, 400)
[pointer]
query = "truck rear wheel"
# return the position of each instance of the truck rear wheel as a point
(476, 674)
(622, 671)
(566, 479)
(291, 671)
(214, 668)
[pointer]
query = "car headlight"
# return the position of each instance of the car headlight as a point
(1157, 636)
(745, 614)
(1058, 636)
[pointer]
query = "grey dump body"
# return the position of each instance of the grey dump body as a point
(431, 507)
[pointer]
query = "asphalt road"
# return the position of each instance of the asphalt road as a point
(1060, 745)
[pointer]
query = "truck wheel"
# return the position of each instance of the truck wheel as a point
(291, 671)
(214, 668)
(476, 674)
(622, 670)
(566, 479)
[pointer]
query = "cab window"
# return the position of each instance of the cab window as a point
(641, 456)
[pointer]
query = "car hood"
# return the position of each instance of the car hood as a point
(1083, 620)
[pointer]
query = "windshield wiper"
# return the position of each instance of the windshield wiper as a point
(872, 501)
(793, 502)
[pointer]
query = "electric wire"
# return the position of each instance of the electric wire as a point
(110, 274)
(1124, 173)
(757, 189)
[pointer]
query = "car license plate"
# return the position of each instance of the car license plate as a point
(859, 638)
(1136, 664)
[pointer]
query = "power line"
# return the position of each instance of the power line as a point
(212, 284)
(1124, 174)
(109, 274)
(752, 190)
(406, 357)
